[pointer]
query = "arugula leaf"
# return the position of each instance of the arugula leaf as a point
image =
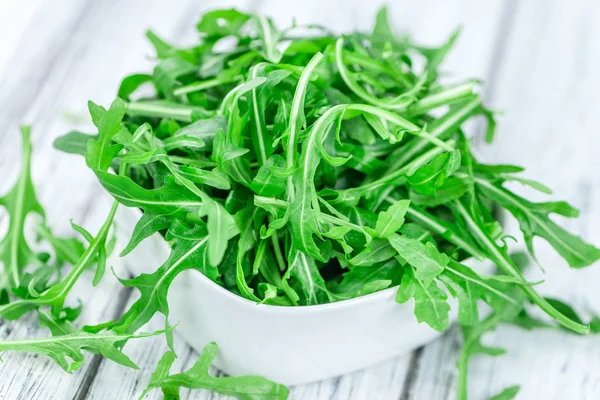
(375, 252)
(452, 189)
(269, 36)
(534, 221)
(185, 254)
(65, 249)
(66, 349)
(56, 295)
(431, 304)
(382, 30)
(73, 142)
(100, 153)
(305, 271)
(148, 225)
(19, 202)
(169, 199)
(220, 23)
(363, 280)
(507, 394)
(499, 256)
(266, 183)
(426, 260)
(472, 342)
(468, 287)
(198, 377)
(389, 221)
(428, 178)
(221, 227)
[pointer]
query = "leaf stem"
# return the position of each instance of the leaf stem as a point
(465, 352)
(203, 85)
(442, 98)
(153, 109)
(296, 117)
(406, 170)
(507, 265)
(451, 122)
(56, 294)
(430, 222)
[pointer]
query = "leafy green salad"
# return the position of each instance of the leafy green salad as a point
(292, 167)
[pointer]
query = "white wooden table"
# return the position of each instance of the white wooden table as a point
(540, 61)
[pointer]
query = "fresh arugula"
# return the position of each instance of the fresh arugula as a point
(66, 349)
(15, 253)
(198, 377)
(290, 171)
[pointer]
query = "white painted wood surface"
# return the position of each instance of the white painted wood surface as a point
(539, 58)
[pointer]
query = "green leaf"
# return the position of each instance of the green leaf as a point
(65, 350)
(390, 221)
(246, 221)
(56, 294)
(100, 153)
(185, 255)
(65, 249)
(215, 178)
(167, 73)
(19, 202)
(269, 36)
(266, 183)
(468, 287)
(203, 129)
(382, 31)
(529, 182)
(507, 394)
(73, 142)
(198, 377)
(169, 199)
(304, 270)
(220, 23)
(534, 221)
(452, 189)
(430, 177)
(502, 260)
(431, 304)
(147, 225)
(221, 227)
(363, 280)
(375, 252)
(131, 83)
(57, 326)
(472, 339)
(427, 261)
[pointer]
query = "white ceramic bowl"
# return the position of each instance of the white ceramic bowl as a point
(290, 345)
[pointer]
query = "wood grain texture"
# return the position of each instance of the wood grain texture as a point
(540, 59)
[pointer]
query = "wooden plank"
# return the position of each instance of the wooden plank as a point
(15, 18)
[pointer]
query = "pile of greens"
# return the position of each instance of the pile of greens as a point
(292, 167)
